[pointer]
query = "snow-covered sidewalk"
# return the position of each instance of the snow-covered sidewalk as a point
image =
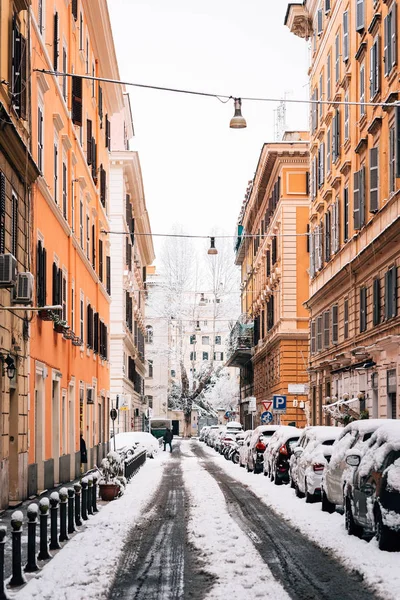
(85, 567)
(379, 569)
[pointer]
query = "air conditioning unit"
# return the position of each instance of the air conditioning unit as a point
(23, 291)
(8, 270)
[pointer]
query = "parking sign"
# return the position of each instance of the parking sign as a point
(279, 404)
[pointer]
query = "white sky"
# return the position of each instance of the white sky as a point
(196, 169)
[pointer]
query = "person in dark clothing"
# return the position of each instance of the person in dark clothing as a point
(83, 452)
(168, 436)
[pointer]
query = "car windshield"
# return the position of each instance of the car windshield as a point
(328, 442)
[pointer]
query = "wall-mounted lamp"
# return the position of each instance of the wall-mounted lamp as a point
(9, 367)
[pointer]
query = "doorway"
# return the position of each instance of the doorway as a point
(39, 428)
(13, 491)
(56, 428)
(391, 394)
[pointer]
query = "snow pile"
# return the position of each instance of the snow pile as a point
(379, 569)
(393, 476)
(90, 558)
(228, 552)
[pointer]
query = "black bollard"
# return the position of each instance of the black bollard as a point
(63, 514)
(77, 488)
(32, 512)
(44, 553)
(89, 496)
(18, 577)
(94, 493)
(3, 533)
(71, 497)
(84, 498)
(54, 501)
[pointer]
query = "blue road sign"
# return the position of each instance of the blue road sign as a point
(266, 417)
(279, 403)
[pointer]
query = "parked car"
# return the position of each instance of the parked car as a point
(260, 436)
(244, 448)
(278, 453)
(217, 445)
(234, 427)
(372, 502)
(203, 433)
(353, 436)
(309, 459)
(134, 439)
(210, 434)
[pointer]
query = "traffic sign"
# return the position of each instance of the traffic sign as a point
(266, 417)
(113, 414)
(227, 414)
(279, 403)
(267, 405)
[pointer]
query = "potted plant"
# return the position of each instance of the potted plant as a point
(60, 326)
(110, 485)
(46, 314)
(76, 341)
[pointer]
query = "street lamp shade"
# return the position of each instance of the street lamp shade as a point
(238, 121)
(212, 249)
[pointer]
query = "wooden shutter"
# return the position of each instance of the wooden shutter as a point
(345, 36)
(335, 324)
(55, 284)
(373, 180)
(356, 199)
(387, 44)
(100, 103)
(360, 15)
(94, 161)
(76, 107)
(319, 333)
(89, 139)
(319, 21)
(327, 6)
(56, 52)
(132, 230)
(93, 246)
(96, 324)
(101, 260)
(108, 275)
(327, 245)
(23, 78)
(346, 319)
(2, 212)
(74, 9)
(363, 309)
(103, 185)
(362, 195)
(313, 345)
(326, 328)
(376, 310)
(395, 147)
(268, 263)
(393, 40)
(393, 299)
(108, 133)
(312, 253)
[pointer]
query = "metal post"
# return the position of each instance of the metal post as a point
(3, 533)
(54, 501)
(84, 484)
(32, 512)
(89, 496)
(63, 514)
(18, 578)
(44, 553)
(77, 488)
(94, 495)
(71, 499)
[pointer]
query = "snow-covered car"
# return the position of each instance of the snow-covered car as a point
(262, 434)
(311, 456)
(244, 449)
(234, 427)
(278, 453)
(210, 434)
(372, 502)
(203, 432)
(337, 472)
(135, 439)
(214, 436)
(218, 439)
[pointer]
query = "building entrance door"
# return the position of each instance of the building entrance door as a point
(13, 446)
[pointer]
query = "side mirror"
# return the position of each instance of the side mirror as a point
(353, 460)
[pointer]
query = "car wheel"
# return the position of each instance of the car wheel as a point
(351, 527)
(310, 498)
(248, 468)
(327, 506)
(387, 539)
(265, 473)
(235, 458)
(277, 480)
(299, 494)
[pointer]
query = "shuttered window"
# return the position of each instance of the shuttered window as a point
(313, 340)
(362, 195)
(374, 74)
(103, 185)
(14, 225)
(100, 103)
(360, 15)
(346, 318)
(64, 190)
(346, 117)
(391, 293)
(89, 140)
(390, 39)
(373, 180)
(274, 250)
(41, 281)
(76, 107)
(312, 253)
(362, 89)
(319, 333)
(336, 136)
(376, 302)
(328, 151)
(363, 309)
(326, 328)
(345, 46)
(335, 226)
(108, 133)
(96, 325)
(392, 158)
(335, 324)
(270, 313)
(321, 166)
(74, 9)
(346, 213)
(319, 21)
(327, 245)
(321, 94)
(40, 139)
(108, 275)
(56, 51)
(89, 326)
(101, 260)
(337, 57)
(2, 213)
(328, 77)
(356, 200)
(94, 246)
(18, 70)
(268, 263)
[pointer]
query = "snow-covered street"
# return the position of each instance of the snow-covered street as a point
(193, 525)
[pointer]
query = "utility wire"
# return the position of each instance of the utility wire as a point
(206, 237)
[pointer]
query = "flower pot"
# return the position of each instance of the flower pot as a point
(108, 491)
(59, 328)
(45, 315)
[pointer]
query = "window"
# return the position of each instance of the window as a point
(374, 74)
(14, 225)
(335, 223)
(64, 190)
(327, 6)
(55, 161)
(313, 346)
(390, 39)
(362, 89)
(335, 324)
(103, 186)
(359, 198)
(87, 57)
(108, 275)
(149, 334)
(41, 280)
(101, 260)
(274, 250)
(346, 213)
(373, 180)
(173, 373)
(270, 313)
(40, 139)
(319, 21)
(72, 307)
(314, 120)
(18, 70)
(337, 57)
(346, 318)
(391, 293)
(41, 14)
(392, 159)
(328, 77)
(268, 263)
(363, 309)
(326, 317)
(327, 245)
(205, 340)
(321, 166)
(219, 356)
(336, 136)
(217, 339)
(88, 236)
(56, 40)
(346, 117)
(193, 339)
(205, 323)
(80, 31)
(360, 15)
(76, 106)
(321, 94)
(65, 70)
(319, 333)
(81, 222)
(345, 46)
(93, 81)
(205, 355)
(193, 356)
(81, 316)
(328, 151)
(64, 293)
(150, 375)
(376, 302)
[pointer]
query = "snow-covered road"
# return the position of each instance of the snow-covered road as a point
(193, 525)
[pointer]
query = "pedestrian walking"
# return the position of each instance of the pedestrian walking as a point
(168, 437)
(83, 452)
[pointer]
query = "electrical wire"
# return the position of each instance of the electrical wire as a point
(207, 237)
(209, 94)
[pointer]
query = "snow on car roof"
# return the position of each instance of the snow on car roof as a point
(282, 435)
(323, 432)
(234, 424)
(385, 439)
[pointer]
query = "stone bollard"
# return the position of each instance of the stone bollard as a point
(18, 577)
(71, 500)
(84, 498)
(63, 514)
(77, 488)
(54, 502)
(89, 496)
(44, 553)
(94, 493)
(3, 533)
(32, 512)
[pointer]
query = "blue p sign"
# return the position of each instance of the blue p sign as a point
(279, 402)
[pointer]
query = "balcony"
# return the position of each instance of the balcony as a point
(298, 20)
(240, 348)
(239, 246)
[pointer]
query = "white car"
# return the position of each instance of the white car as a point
(136, 439)
(209, 434)
(234, 427)
(262, 434)
(244, 449)
(353, 437)
(203, 433)
(311, 455)
(279, 451)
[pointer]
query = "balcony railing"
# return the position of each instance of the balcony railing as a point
(241, 341)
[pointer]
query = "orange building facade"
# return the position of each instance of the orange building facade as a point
(274, 279)
(355, 204)
(69, 348)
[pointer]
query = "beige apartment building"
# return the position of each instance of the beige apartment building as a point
(355, 204)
